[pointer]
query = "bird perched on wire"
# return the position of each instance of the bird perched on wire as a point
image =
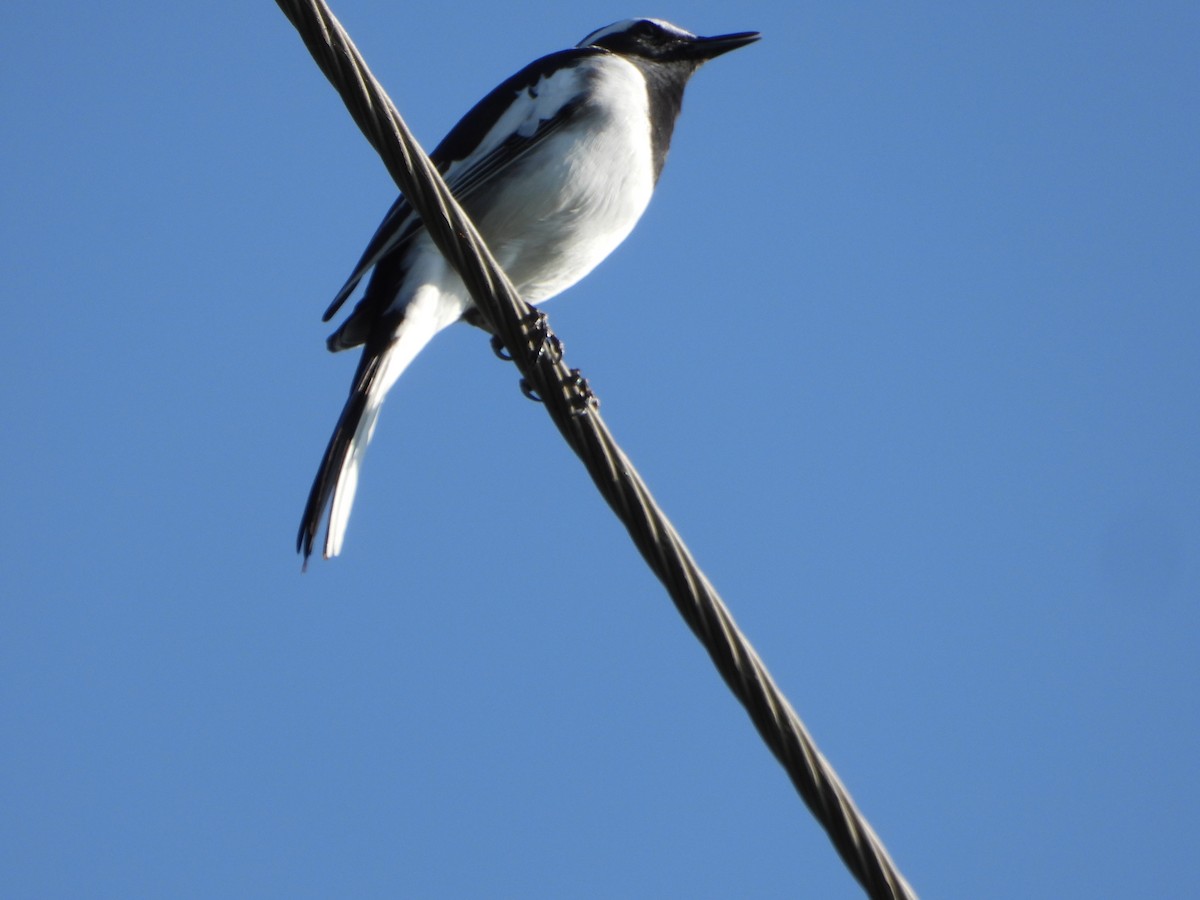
(555, 166)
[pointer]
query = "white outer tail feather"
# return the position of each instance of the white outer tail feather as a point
(429, 311)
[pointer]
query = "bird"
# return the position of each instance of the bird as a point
(554, 166)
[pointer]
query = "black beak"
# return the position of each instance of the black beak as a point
(706, 48)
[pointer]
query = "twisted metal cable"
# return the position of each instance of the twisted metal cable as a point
(571, 405)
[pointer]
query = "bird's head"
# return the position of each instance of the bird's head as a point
(659, 41)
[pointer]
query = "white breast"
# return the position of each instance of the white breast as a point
(580, 194)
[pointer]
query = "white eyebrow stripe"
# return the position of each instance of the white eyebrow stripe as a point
(625, 25)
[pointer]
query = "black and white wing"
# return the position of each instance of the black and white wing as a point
(496, 133)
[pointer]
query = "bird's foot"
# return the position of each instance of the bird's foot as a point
(584, 398)
(528, 391)
(499, 349)
(545, 341)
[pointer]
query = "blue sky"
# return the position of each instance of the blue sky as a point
(907, 345)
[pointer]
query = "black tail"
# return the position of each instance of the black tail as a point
(341, 442)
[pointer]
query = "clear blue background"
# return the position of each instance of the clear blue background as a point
(908, 345)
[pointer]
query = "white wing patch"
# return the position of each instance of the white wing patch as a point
(531, 107)
(590, 184)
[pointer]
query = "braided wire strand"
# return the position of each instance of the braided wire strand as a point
(574, 412)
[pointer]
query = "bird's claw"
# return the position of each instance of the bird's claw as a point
(499, 349)
(584, 398)
(528, 391)
(546, 342)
